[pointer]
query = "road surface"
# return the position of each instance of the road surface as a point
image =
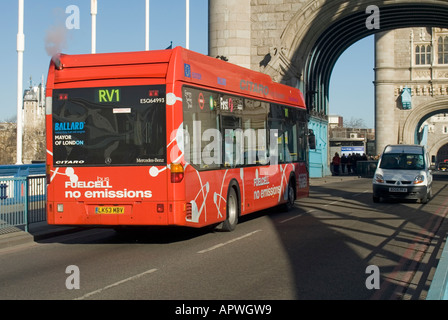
(322, 249)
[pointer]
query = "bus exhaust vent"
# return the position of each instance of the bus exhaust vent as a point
(188, 211)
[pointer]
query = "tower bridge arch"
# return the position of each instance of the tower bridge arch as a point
(298, 42)
(437, 146)
(414, 120)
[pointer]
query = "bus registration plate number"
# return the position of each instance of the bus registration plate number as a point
(398, 190)
(109, 210)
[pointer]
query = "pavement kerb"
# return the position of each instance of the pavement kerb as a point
(37, 232)
(332, 179)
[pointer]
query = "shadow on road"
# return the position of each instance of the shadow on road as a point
(341, 232)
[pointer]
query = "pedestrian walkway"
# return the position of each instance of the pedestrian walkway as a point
(332, 179)
(37, 231)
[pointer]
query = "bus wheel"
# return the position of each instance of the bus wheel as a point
(291, 197)
(232, 211)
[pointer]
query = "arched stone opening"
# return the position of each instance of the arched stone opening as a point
(441, 150)
(407, 134)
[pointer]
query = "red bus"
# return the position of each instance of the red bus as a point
(169, 137)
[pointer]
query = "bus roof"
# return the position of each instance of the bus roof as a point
(165, 66)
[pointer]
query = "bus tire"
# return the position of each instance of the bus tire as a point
(291, 193)
(232, 211)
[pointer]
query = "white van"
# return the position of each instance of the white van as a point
(403, 172)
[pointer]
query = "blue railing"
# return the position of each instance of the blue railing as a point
(439, 285)
(22, 170)
(22, 196)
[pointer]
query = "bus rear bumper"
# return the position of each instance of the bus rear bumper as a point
(131, 213)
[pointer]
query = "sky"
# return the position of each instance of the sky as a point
(352, 93)
(121, 27)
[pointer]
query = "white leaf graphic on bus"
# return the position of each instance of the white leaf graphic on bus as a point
(176, 137)
(70, 172)
(195, 211)
(171, 98)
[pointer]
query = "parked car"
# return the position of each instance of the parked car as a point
(443, 166)
(403, 172)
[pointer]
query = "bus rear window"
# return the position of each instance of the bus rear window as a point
(109, 126)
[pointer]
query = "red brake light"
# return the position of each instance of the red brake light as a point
(177, 172)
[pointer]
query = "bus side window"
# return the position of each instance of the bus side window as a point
(233, 152)
(277, 126)
(291, 143)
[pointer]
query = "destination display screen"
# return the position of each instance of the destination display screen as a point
(109, 126)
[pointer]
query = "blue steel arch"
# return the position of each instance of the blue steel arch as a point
(342, 33)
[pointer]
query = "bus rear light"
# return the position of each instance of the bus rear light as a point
(153, 93)
(60, 207)
(177, 172)
(160, 208)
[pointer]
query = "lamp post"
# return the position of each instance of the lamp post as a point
(93, 12)
(187, 18)
(20, 50)
(147, 26)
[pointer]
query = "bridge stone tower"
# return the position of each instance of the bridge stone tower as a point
(297, 42)
(230, 30)
(386, 130)
(411, 85)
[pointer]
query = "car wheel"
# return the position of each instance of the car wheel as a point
(426, 198)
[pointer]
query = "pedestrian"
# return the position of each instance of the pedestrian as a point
(336, 162)
(343, 163)
(349, 163)
(356, 158)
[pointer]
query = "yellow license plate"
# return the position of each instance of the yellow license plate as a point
(109, 210)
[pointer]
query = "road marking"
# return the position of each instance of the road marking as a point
(295, 217)
(116, 284)
(358, 194)
(228, 242)
(333, 202)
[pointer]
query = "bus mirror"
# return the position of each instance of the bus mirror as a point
(311, 139)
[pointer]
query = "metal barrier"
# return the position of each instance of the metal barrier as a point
(13, 209)
(37, 198)
(439, 285)
(22, 201)
(22, 170)
(366, 169)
